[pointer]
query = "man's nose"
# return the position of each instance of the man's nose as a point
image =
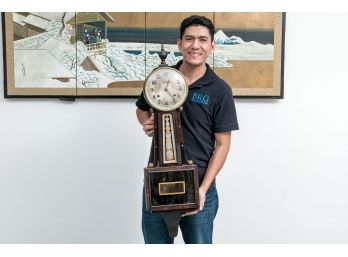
(195, 43)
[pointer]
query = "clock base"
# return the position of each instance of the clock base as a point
(172, 188)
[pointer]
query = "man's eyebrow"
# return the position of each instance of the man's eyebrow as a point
(186, 36)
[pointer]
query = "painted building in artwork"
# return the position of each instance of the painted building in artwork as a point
(87, 27)
(91, 28)
(91, 22)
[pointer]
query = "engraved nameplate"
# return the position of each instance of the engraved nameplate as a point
(171, 188)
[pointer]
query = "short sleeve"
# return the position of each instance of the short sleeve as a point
(141, 103)
(224, 113)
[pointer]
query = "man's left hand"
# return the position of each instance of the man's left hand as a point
(201, 204)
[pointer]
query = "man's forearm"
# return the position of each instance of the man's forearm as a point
(142, 116)
(217, 160)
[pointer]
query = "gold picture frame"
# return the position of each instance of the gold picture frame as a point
(110, 54)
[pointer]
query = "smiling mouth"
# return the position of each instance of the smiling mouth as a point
(194, 54)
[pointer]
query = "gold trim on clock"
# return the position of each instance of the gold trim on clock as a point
(169, 145)
(172, 188)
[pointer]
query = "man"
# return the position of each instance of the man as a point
(208, 117)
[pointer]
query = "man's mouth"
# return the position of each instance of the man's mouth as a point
(194, 54)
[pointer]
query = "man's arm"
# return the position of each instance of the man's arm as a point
(145, 119)
(217, 160)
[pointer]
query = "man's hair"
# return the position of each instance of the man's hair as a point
(196, 20)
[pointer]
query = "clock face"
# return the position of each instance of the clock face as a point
(165, 89)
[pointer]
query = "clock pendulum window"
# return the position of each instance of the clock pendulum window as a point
(171, 180)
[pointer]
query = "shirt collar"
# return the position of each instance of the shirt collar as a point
(208, 77)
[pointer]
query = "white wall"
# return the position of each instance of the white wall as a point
(72, 172)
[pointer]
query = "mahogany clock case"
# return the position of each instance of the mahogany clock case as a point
(171, 188)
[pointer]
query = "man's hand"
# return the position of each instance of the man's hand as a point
(201, 204)
(149, 127)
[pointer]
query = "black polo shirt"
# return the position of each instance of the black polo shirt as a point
(208, 109)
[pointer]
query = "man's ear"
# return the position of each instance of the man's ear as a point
(213, 46)
(178, 42)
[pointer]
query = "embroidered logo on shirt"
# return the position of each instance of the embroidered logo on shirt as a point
(199, 98)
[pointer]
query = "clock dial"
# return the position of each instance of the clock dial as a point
(165, 89)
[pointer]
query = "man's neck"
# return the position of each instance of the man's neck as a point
(192, 73)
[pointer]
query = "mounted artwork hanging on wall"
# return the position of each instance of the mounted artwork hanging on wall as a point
(110, 54)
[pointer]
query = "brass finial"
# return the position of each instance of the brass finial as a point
(163, 55)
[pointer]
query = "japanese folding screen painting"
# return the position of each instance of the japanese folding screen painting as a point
(110, 54)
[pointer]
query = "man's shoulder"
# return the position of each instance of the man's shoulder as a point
(220, 85)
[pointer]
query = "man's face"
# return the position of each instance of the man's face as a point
(196, 45)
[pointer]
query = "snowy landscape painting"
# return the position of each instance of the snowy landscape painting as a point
(110, 54)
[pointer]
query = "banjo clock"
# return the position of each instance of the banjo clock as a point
(171, 180)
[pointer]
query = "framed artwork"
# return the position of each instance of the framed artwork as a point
(101, 54)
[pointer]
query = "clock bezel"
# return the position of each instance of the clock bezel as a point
(150, 101)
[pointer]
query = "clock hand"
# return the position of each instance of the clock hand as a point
(170, 94)
(167, 85)
(166, 89)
